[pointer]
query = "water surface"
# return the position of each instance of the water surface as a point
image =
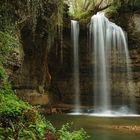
(92, 126)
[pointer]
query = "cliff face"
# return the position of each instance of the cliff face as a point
(32, 78)
(130, 23)
(62, 73)
(34, 72)
(39, 69)
(133, 29)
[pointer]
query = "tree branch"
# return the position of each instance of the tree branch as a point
(103, 8)
(97, 7)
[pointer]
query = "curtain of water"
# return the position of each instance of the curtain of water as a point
(108, 41)
(101, 90)
(75, 43)
(129, 72)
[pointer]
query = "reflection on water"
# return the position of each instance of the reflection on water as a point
(92, 126)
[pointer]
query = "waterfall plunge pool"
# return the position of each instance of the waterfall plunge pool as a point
(101, 128)
(122, 111)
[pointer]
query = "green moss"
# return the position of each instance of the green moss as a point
(118, 6)
(79, 9)
(83, 10)
(8, 42)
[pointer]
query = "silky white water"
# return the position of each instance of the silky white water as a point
(109, 41)
(75, 44)
(110, 59)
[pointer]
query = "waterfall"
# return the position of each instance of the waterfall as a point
(75, 44)
(108, 42)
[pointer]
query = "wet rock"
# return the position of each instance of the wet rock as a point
(62, 73)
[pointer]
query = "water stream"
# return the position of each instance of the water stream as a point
(107, 37)
(75, 43)
(110, 60)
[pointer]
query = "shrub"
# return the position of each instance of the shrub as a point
(67, 133)
(18, 119)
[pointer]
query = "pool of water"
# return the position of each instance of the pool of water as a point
(93, 124)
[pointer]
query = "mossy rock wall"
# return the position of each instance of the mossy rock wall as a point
(33, 73)
(62, 73)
